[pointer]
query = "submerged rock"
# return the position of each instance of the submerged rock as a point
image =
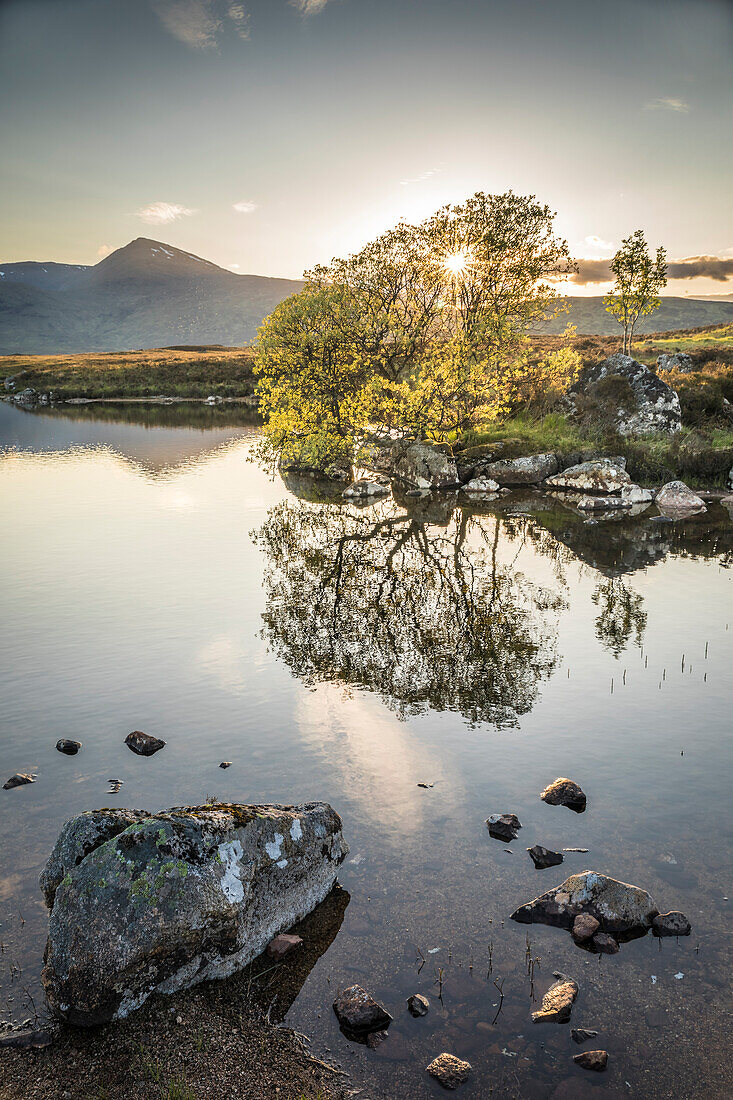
(18, 780)
(503, 826)
(358, 1013)
(565, 792)
(582, 1034)
(143, 744)
(417, 1005)
(528, 470)
(617, 906)
(544, 857)
(557, 1003)
(175, 898)
(671, 924)
(678, 502)
(592, 1059)
(604, 476)
(366, 488)
(69, 748)
(449, 1071)
(225, 764)
(605, 944)
(282, 945)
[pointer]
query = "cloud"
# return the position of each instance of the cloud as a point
(718, 268)
(162, 213)
(668, 103)
(200, 23)
(597, 243)
(244, 207)
(193, 22)
(419, 179)
(309, 7)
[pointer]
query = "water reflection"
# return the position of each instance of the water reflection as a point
(425, 616)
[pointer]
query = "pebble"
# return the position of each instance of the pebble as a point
(592, 1059)
(418, 1005)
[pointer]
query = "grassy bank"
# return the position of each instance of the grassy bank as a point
(175, 372)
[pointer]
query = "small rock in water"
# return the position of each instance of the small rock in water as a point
(676, 501)
(582, 1034)
(143, 744)
(418, 1005)
(225, 764)
(503, 826)
(544, 857)
(18, 780)
(281, 945)
(564, 792)
(557, 1003)
(605, 944)
(375, 1039)
(425, 786)
(584, 927)
(115, 786)
(592, 1059)
(358, 1012)
(576, 849)
(69, 748)
(671, 924)
(449, 1071)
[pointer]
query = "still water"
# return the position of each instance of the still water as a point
(155, 578)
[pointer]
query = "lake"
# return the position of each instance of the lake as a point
(156, 578)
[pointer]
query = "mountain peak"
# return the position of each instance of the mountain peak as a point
(153, 258)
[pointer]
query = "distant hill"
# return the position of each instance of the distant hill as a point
(149, 294)
(144, 295)
(590, 317)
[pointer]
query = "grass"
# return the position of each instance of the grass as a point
(176, 372)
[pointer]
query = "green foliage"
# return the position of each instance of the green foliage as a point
(639, 279)
(423, 331)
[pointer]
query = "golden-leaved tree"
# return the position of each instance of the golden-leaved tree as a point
(423, 331)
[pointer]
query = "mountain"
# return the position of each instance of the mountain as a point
(147, 294)
(591, 318)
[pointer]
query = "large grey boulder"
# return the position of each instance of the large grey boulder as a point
(422, 465)
(679, 360)
(603, 476)
(677, 501)
(175, 898)
(617, 906)
(528, 470)
(652, 407)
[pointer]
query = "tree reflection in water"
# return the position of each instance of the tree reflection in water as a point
(621, 615)
(424, 615)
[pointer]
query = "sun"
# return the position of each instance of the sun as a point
(455, 264)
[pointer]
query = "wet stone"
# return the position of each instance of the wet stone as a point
(565, 792)
(557, 1003)
(358, 1012)
(592, 1059)
(582, 1034)
(143, 744)
(225, 764)
(417, 1005)
(605, 944)
(584, 927)
(282, 945)
(671, 924)
(449, 1071)
(503, 826)
(68, 747)
(544, 857)
(18, 780)
(617, 906)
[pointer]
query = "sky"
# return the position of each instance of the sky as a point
(271, 135)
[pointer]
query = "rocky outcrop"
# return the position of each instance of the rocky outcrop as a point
(604, 476)
(564, 792)
(449, 1071)
(529, 470)
(557, 1003)
(617, 906)
(679, 360)
(678, 502)
(143, 903)
(422, 465)
(646, 405)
